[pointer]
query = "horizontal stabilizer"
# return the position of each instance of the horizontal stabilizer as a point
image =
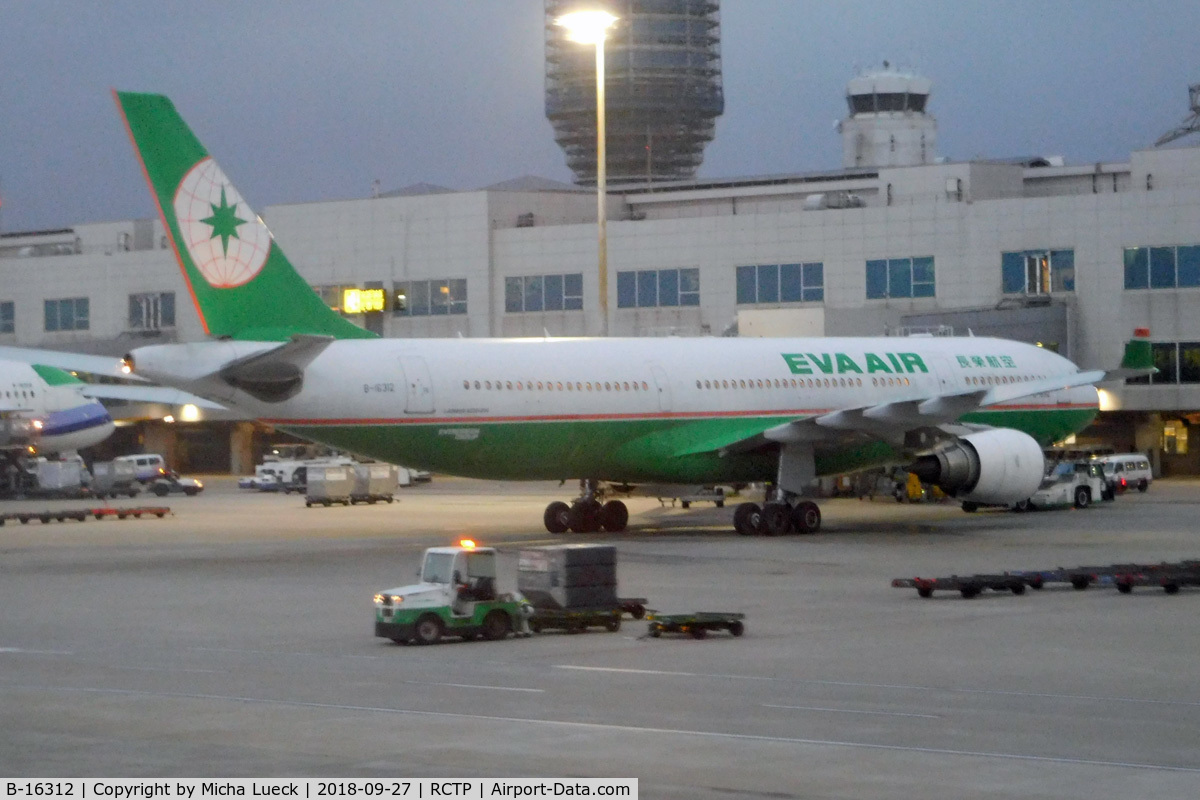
(277, 374)
(111, 366)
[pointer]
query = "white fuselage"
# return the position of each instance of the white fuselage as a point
(68, 420)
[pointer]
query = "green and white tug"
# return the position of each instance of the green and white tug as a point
(456, 597)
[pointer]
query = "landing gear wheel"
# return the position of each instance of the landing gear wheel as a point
(776, 519)
(428, 630)
(970, 507)
(584, 516)
(495, 626)
(746, 517)
(1083, 498)
(555, 517)
(614, 516)
(806, 517)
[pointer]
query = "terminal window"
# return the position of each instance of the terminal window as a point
(544, 293)
(900, 277)
(1177, 362)
(7, 317)
(151, 311)
(1162, 267)
(431, 298)
(658, 288)
(70, 314)
(781, 283)
(1037, 271)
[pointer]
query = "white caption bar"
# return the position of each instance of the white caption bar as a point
(420, 788)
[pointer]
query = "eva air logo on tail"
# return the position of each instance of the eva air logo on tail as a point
(225, 239)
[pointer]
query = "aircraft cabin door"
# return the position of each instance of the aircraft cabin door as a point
(661, 386)
(949, 380)
(418, 386)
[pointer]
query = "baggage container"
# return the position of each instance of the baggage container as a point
(328, 485)
(112, 478)
(374, 483)
(568, 576)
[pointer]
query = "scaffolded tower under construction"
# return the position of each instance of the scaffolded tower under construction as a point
(663, 88)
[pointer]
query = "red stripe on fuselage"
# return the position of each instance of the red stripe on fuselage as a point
(690, 415)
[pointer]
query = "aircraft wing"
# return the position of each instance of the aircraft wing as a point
(74, 362)
(886, 421)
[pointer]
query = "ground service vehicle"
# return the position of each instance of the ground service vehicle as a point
(1076, 484)
(169, 481)
(456, 596)
(146, 466)
(1133, 467)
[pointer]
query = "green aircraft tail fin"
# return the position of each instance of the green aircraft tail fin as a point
(241, 283)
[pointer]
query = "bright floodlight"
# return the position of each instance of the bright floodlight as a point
(586, 27)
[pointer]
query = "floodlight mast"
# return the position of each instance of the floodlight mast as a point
(591, 27)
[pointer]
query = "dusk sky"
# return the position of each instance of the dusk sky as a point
(304, 100)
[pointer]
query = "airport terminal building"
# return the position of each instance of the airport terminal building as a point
(895, 241)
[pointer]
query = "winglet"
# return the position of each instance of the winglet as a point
(1138, 354)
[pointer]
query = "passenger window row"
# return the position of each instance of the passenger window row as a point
(560, 386)
(997, 380)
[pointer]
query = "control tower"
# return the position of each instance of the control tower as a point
(887, 125)
(662, 86)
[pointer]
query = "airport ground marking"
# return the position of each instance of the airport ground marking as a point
(897, 686)
(853, 711)
(613, 728)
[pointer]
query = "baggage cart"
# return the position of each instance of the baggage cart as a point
(698, 623)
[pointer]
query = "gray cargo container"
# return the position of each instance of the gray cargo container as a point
(570, 576)
(374, 483)
(112, 478)
(328, 485)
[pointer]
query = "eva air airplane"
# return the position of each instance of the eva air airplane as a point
(967, 414)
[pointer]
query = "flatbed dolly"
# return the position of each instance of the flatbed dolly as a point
(575, 620)
(698, 623)
(967, 585)
(80, 514)
(1170, 576)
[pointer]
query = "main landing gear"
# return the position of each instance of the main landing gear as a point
(587, 514)
(777, 518)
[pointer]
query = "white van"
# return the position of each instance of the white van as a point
(145, 465)
(1133, 467)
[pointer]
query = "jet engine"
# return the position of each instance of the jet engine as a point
(999, 466)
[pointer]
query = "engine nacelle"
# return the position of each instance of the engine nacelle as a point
(999, 467)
